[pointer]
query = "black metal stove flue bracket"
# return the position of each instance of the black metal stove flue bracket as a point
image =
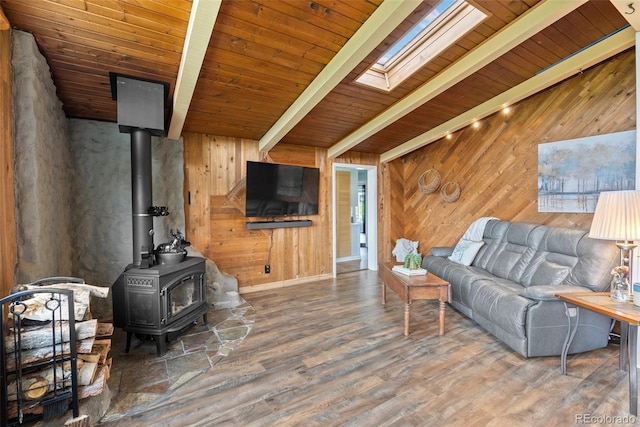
(158, 211)
(17, 371)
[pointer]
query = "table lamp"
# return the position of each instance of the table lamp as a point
(617, 217)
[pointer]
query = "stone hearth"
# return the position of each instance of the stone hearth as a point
(192, 353)
(139, 378)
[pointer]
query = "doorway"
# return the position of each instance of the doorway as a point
(354, 218)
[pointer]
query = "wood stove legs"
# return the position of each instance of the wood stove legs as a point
(161, 344)
(128, 346)
(161, 340)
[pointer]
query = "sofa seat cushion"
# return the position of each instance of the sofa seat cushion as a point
(499, 302)
(463, 276)
(548, 292)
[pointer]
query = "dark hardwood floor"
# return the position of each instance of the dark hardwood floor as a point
(328, 353)
(353, 265)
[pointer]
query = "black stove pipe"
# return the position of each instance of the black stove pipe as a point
(141, 197)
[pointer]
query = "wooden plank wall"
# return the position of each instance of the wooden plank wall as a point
(496, 165)
(391, 186)
(8, 249)
(215, 170)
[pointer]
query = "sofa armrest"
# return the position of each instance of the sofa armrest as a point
(548, 292)
(442, 251)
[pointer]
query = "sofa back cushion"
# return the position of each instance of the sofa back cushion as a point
(510, 256)
(556, 256)
(534, 254)
(494, 231)
(596, 259)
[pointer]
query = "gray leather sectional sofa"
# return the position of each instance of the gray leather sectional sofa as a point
(510, 285)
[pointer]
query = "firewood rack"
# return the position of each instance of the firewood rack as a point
(41, 389)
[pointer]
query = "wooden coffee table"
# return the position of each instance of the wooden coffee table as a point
(410, 288)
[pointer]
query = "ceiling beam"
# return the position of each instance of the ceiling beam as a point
(630, 10)
(528, 24)
(593, 55)
(4, 22)
(201, 21)
(380, 24)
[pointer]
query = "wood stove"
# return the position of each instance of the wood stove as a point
(162, 300)
(161, 292)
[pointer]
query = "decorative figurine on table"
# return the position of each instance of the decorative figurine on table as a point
(620, 289)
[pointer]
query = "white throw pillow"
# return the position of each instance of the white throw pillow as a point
(465, 251)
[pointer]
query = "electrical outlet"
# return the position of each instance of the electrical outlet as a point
(267, 269)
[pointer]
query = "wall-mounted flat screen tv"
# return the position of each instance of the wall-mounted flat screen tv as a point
(275, 190)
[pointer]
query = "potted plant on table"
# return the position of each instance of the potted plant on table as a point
(412, 261)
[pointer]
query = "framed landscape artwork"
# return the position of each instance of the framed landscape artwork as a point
(572, 173)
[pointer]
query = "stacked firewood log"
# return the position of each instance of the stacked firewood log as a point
(38, 342)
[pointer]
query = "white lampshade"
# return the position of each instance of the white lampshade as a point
(617, 216)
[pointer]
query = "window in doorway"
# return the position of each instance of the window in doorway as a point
(361, 210)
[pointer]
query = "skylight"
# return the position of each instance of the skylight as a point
(413, 32)
(440, 28)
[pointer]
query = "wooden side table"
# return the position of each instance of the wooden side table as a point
(410, 288)
(623, 311)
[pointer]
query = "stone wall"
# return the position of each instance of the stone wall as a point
(101, 197)
(73, 186)
(42, 166)
(73, 182)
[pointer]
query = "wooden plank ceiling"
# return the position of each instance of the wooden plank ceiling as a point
(264, 54)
